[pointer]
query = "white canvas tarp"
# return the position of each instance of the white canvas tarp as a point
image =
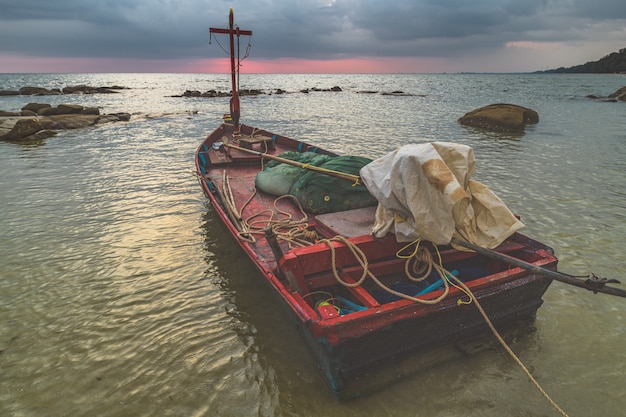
(425, 191)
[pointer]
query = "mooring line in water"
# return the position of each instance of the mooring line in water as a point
(445, 276)
(510, 351)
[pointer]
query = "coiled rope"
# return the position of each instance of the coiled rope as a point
(421, 254)
(294, 231)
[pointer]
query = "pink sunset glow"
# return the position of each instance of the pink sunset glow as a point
(338, 66)
(16, 64)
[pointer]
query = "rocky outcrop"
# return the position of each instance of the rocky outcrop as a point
(254, 92)
(501, 117)
(335, 89)
(38, 121)
(206, 94)
(398, 93)
(215, 93)
(619, 94)
(77, 89)
(31, 91)
(85, 89)
(20, 129)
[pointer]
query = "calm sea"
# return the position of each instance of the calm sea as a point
(122, 295)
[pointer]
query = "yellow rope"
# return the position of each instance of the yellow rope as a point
(420, 253)
(362, 260)
(295, 232)
(422, 256)
(510, 351)
(288, 229)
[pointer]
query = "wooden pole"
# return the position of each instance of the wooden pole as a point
(343, 175)
(592, 283)
(233, 31)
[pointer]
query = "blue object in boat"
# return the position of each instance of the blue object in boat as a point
(351, 306)
(438, 284)
(406, 288)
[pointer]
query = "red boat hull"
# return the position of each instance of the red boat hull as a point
(349, 344)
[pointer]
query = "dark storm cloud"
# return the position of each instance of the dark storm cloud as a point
(107, 28)
(435, 28)
(601, 9)
(168, 29)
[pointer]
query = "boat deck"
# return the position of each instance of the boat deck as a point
(232, 173)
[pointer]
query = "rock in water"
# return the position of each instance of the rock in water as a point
(501, 117)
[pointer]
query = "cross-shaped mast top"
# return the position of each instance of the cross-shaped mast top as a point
(233, 31)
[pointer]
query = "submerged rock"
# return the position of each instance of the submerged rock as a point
(86, 89)
(77, 89)
(501, 117)
(619, 94)
(206, 94)
(19, 129)
(39, 121)
(317, 89)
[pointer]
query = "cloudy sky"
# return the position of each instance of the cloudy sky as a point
(306, 36)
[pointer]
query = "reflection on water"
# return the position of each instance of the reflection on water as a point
(122, 294)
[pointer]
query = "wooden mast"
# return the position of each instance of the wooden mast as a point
(233, 31)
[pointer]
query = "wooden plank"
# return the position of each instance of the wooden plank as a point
(363, 296)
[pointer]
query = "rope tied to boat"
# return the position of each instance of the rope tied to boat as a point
(423, 256)
(512, 354)
(419, 265)
(294, 231)
(361, 258)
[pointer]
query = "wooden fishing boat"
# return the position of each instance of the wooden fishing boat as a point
(347, 328)
(330, 273)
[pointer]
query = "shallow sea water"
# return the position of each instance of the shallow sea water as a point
(121, 294)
